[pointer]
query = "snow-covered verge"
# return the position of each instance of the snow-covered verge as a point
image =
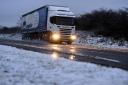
(15, 36)
(21, 67)
(88, 38)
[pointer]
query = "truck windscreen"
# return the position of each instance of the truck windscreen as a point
(62, 20)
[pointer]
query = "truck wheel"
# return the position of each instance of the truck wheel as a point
(69, 42)
(49, 38)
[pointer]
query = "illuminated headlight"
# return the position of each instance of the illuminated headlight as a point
(56, 36)
(73, 37)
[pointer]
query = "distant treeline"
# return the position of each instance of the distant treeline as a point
(105, 22)
(8, 30)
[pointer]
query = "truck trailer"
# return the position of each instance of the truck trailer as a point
(52, 23)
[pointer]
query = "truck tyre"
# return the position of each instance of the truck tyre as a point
(69, 42)
(50, 38)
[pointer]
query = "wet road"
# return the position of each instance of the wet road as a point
(112, 58)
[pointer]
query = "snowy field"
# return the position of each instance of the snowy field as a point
(21, 67)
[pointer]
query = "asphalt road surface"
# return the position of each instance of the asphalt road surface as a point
(107, 57)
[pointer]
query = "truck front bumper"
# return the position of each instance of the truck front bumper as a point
(56, 37)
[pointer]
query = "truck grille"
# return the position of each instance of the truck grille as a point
(65, 34)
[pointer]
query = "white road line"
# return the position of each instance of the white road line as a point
(97, 57)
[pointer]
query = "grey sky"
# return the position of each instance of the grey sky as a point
(11, 10)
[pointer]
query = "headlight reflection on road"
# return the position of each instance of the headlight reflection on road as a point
(55, 47)
(72, 57)
(72, 50)
(55, 55)
(73, 47)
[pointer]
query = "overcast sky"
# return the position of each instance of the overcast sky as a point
(11, 10)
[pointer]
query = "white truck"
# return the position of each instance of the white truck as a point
(52, 23)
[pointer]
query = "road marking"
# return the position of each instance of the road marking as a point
(97, 57)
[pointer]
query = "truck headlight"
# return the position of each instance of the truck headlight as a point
(55, 36)
(73, 37)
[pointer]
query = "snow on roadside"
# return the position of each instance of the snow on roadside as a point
(15, 36)
(21, 67)
(88, 38)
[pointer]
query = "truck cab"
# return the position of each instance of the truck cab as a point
(61, 22)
